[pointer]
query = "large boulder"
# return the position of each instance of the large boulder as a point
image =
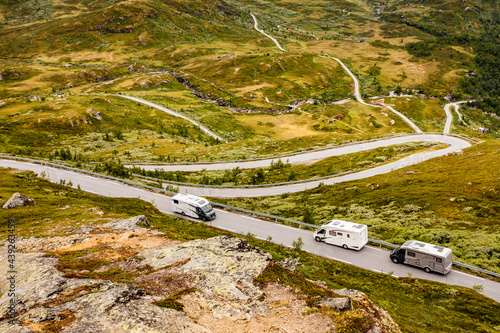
(339, 303)
(18, 200)
(139, 221)
(224, 266)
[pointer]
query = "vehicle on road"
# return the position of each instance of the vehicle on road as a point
(349, 235)
(429, 257)
(192, 205)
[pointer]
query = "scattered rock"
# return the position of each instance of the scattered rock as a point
(219, 271)
(18, 200)
(139, 221)
(96, 210)
(289, 263)
(339, 304)
(97, 115)
(2, 104)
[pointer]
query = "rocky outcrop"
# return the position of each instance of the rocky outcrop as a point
(139, 221)
(214, 279)
(18, 200)
(289, 263)
(224, 265)
(383, 322)
(339, 303)
(45, 297)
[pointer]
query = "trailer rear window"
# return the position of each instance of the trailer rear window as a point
(439, 260)
(410, 254)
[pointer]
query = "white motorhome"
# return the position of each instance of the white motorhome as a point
(349, 235)
(192, 205)
(430, 257)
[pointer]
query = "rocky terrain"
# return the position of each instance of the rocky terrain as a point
(122, 277)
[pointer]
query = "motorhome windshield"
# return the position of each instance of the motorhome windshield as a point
(207, 208)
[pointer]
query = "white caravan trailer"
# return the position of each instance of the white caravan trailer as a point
(432, 258)
(342, 233)
(191, 205)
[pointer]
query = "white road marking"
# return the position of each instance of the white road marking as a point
(93, 192)
(477, 277)
(376, 270)
(344, 261)
(251, 218)
(376, 248)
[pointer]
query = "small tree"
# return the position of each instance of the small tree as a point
(297, 245)
(308, 216)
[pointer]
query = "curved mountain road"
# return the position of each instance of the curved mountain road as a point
(455, 144)
(256, 26)
(164, 109)
(449, 115)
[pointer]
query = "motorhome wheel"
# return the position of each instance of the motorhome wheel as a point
(345, 246)
(317, 239)
(427, 269)
(395, 260)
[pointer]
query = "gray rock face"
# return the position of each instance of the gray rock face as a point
(223, 265)
(139, 221)
(37, 281)
(107, 307)
(339, 304)
(18, 200)
(289, 263)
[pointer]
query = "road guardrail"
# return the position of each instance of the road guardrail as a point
(307, 150)
(216, 204)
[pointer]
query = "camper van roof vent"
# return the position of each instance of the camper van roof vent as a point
(335, 223)
(420, 244)
(439, 248)
(201, 201)
(359, 226)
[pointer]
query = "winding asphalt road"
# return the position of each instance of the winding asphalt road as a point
(449, 115)
(455, 144)
(164, 109)
(262, 32)
(371, 258)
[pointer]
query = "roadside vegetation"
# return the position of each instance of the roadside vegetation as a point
(283, 171)
(455, 207)
(415, 304)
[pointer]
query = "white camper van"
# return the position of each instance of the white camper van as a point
(430, 257)
(191, 205)
(349, 235)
